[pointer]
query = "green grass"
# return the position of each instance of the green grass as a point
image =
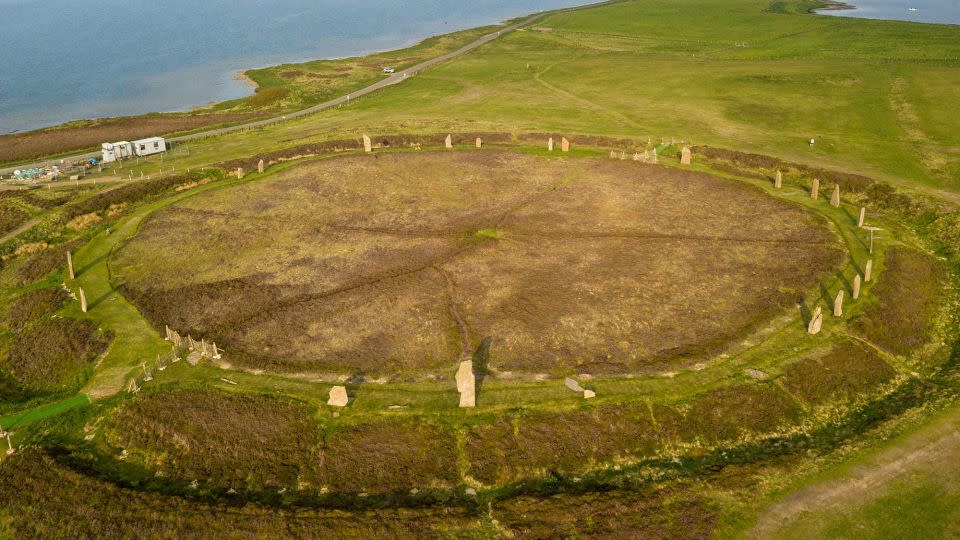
(13, 421)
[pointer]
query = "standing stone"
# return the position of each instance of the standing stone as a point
(70, 264)
(213, 350)
(338, 397)
(863, 216)
(654, 156)
(564, 145)
(778, 180)
(83, 300)
(637, 156)
(838, 305)
(132, 387)
(367, 144)
(448, 142)
(623, 155)
(550, 145)
(479, 143)
(835, 198)
(868, 271)
(467, 384)
(816, 321)
(856, 287)
(239, 172)
(815, 189)
(573, 385)
(260, 166)
(613, 154)
(685, 156)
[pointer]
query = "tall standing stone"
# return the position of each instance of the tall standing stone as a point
(686, 157)
(856, 287)
(338, 397)
(70, 264)
(778, 180)
(838, 305)
(467, 384)
(654, 156)
(564, 145)
(613, 154)
(815, 189)
(367, 144)
(550, 145)
(83, 300)
(863, 216)
(637, 156)
(816, 321)
(239, 172)
(448, 142)
(260, 166)
(868, 271)
(835, 198)
(479, 143)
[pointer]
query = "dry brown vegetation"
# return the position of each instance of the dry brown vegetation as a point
(91, 133)
(906, 296)
(238, 441)
(33, 305)
(40, 264)
(387, 263)
(11, 216)
(54, 353)
(844, 372)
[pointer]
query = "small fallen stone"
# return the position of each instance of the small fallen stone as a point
(471, 492)
(573, 385)
(589, 394)
(338, 396)
(756, 374)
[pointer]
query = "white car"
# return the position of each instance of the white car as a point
(389, 70)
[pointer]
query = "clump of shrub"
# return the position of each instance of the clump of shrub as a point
(83, 222)
(33, 305)
(54, 354)
(11, 216)
(40, 264)
(730, 413)
(844, 372)
(906, 297)
(127, 194)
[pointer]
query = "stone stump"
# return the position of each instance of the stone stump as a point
(573, 385)
(338, 397)
(637, 156)
(816, 322)
(863, 216)
(448, 142)
(367, 144)
(686, 157)
(856, 287)
(70, 264)
(868, 271)
(550, 145)
(815, 189)
(589, 394)
(778, 180)
(83, 300)
(835, 198)
(260, 166)
(613, 154)
(239, 172)
(467, 384)
(479, 143)
(838, 305)
(564, 145)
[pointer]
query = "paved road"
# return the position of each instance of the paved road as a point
(396, 78)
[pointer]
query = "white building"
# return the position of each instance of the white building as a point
(118, 150)
(151, 145)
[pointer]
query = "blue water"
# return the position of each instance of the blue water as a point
(927, 11)
(63, 60)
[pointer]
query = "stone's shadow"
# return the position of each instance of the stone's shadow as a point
(805, 313)
(825, 295)
(80, 270)
(481, 358)
(847, 286)
(853, 218)
(98, 301)
(353, 385)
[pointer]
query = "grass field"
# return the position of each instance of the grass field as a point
(680, 295)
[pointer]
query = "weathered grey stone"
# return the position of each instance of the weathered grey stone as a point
(260, 166)
(623, 155)
(338, 397)
(214, 352)
(239, 172)
(868, 271)
(815, 321)
(70, 264)
(815, 189)
(863, 216)
(132, 386)
(479, 143)
(613, 154)
(467, 384)
(589, 394)
(756, 374)
(550, 145)
(194, 358)
(838, 305)
(686, 157)
(83, 300)
(856, 287)
(654, 156)
(778, 181)
(367, 144)
(573, 385)
(564, 145)
(638, 157)
(835, 198)
(448, 142)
